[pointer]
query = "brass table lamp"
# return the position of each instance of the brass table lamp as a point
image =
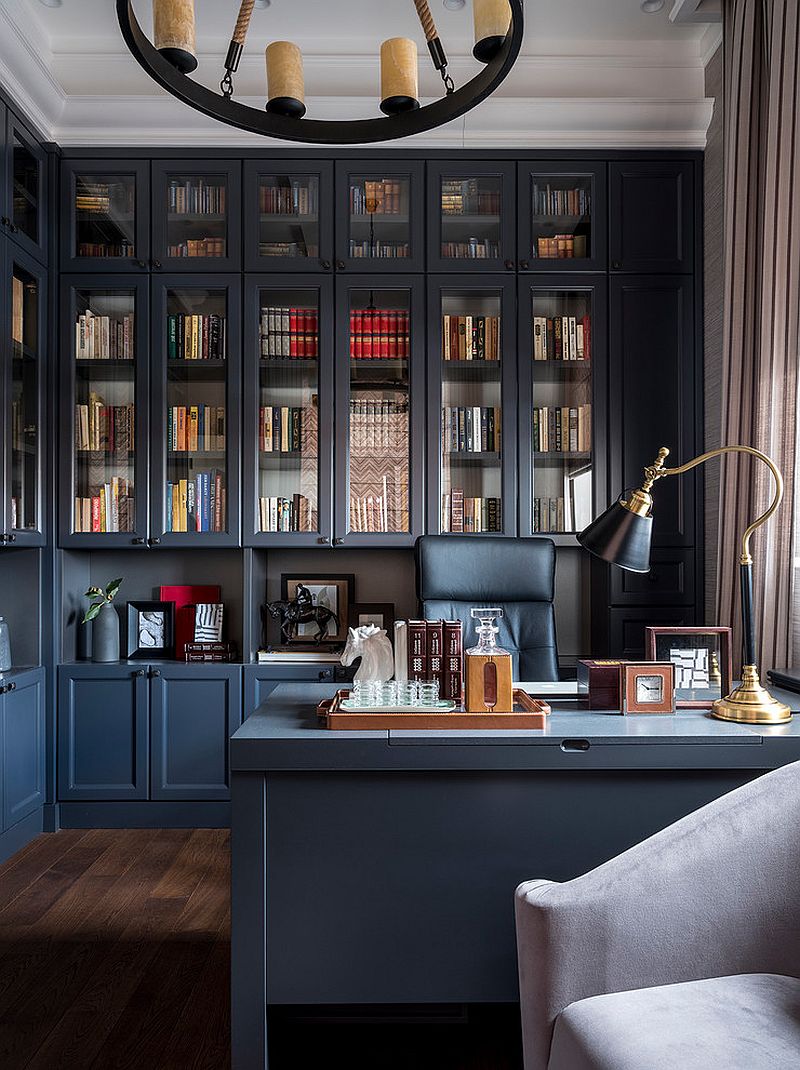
(622, 536)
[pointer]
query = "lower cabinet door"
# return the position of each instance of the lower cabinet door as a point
(23, 753)
(102, 732)
(194, 710)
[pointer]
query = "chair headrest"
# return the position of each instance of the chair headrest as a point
(485, 569)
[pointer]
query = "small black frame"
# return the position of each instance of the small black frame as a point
(135, 609)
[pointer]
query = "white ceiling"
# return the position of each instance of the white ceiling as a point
(592, 72)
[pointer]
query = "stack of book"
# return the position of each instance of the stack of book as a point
(196, 337)
(195, 197)
(279, 429)
(548, 514)
(104, 428)
(106, 249)
(214, 652)
(103, 337)
(196, 504)
(100, 197)
(463, 196)
(197, 247)
(289, 198)
(470, 337)
(562, 429)
(469, 515)
(301, 247)
(471, 429)
(561, 337)
(286, 514)
(379, 334)
(472, 249)
(379, 424)
(561, 247)
(550, 201)
(431, 650)
(195, 428)
(289, 331)
(381, 249)
(108, 508)
(376, 196)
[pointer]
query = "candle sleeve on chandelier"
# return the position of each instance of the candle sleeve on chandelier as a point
(285, 88)
(173, 33)
(492, 19)
(399, 89)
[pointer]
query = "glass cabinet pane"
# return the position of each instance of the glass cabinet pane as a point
(105, 216)
(379, 415)
(25, 194)
(26, 371)
(561, 216)
(104, 356)
(471, 217)
(196, 207)
(195, 432)
(288, 216)
(288, 411)
(471, 417)
(379, 217)
(561, 351)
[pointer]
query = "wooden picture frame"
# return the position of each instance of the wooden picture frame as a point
(136, 648)
(344, 585)
(380, 613)
(691, 698)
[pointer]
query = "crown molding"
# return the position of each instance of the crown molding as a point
(26, 67)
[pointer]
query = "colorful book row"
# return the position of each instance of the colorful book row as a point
(103, 337)
(470, 337)
(280, 429)
(286, 514)
(561, 338)
(561, 247)
(473, 249)
(111, 508)
(104, 428)
(195, 428)
(562, 429)
(288, 331)
(473, 429)
(195, 197)
(379, 334)
(292, 198)
(550, 201)
(196, 337)
(379, 196)
(210, 247)
(196, 504)
(470, 515)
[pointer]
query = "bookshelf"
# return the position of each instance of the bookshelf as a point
(382, 215)
(195, 216)
(291, 227)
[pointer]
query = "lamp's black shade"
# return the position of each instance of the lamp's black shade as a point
(620, 537)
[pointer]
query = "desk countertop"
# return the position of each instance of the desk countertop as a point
(284, 733)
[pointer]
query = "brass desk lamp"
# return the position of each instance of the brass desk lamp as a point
(622, 536)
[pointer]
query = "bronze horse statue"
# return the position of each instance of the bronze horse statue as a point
(300, 610)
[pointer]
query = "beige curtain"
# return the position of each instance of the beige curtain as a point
(761, 310)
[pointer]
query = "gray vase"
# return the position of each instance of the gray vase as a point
(105, 634)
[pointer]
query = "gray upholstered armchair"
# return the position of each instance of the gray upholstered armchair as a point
(682, 952)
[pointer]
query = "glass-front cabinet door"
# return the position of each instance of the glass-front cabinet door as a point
(288, 216)
(25, 183)
(471, 217)
(105, 212)
(562, 217)
(471, 406)
(288, 399)
(25, 379)
(196, 215)
(380, 398)
(104, 394)
(381, 214)
(196, 353)
(562, 330)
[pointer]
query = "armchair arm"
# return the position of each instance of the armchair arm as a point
(716, 893)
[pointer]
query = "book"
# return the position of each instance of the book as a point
(453, 668)
(417, 650)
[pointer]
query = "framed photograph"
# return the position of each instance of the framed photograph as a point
(379, 613)
(334, 593)
(702, 660)
(151, 630)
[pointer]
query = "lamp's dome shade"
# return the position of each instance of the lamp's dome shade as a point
(620, 537)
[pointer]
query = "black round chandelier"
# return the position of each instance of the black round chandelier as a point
(171, 57)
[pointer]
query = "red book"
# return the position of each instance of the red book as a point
(185, 599)
(392, 328)
(95, 514)
(384, 335)
(406, 335)
(453, 661)
(301, 333)
(434, 630)
(315, 335)
(417, 650)
(366, 337)
(293, 332)
(358, 331)
(352, 335)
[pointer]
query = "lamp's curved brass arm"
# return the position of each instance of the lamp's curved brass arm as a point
(658, 471)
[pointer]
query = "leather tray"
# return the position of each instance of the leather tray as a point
(528, 713)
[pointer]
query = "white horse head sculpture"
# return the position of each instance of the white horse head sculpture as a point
(371, 644)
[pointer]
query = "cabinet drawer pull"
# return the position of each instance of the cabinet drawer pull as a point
(139, 542)
(325, 265)
(154, 541)
(340, 264)
(338, 542)
(574, 746)
(524, 264)
(509, 264)
(323, 540)
(155, 672)
(140, 672)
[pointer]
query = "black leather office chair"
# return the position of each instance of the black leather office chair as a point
(457, 573)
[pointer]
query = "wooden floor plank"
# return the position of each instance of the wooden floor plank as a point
(20, 871)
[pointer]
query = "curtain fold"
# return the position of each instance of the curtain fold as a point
(761, 312)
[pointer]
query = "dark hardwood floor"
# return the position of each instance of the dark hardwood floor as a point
(115, 954)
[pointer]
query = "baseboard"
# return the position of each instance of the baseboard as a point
(144, 815)
(15, 838)
(50, 818)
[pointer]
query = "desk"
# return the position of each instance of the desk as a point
(380, 867)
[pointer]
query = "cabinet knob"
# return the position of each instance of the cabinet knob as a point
(140, 672)
(524, 264)
(139, 542)
(141, 263)
(338, 542)
(325, 265)
(323, 540)
(326, 674)
(11, 538)
(154, 541)
(157, 265)
(616, 265)
(11, 687)
(13, 228)
(340, 264)
(5, 220)
(155, 672)
(509, 265)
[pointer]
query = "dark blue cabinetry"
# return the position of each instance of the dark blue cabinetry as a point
(22, 745)
(151, 732)
(193, 712)
(261, 680)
